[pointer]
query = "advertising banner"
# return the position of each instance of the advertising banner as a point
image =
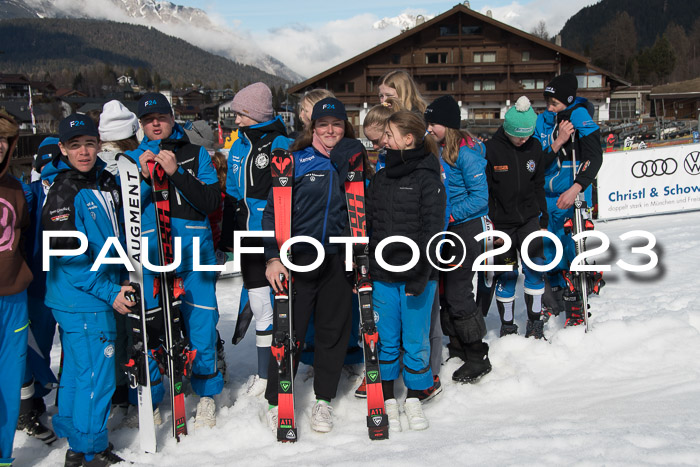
(649, 181)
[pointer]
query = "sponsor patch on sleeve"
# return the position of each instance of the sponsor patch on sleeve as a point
(500, 168)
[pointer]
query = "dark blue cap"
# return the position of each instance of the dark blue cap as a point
(329, 107)
(48, 149)
(154, 103)
(76, 125)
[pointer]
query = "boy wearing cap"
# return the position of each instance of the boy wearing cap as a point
(194, 193)
(15, 276)
(84, 197)
(566, 115)
(248, 184)
(517, 207)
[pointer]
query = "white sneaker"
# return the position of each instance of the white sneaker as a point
(322, 417)
(132, 419)
(206, 413)
(256, 386)
(272, 419)
(392, 412)
(414, 412)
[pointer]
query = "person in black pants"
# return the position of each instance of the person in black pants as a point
(321, 162)
(517, 205)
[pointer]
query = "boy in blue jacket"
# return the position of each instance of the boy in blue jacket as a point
(566, 115)
(84, 198)
(193, 191)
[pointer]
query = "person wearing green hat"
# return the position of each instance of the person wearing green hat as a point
(515, 166)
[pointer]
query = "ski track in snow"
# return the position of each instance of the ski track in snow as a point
(627, 393)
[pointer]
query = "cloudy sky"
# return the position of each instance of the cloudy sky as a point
(313, 35)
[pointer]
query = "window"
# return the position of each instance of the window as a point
(489, 85)
(527, 83)
(436, 86)
(471, 30)
(448, 30)
(540, 84)
(396, 59)
(525, 57)
(590, 81)
(484, 57)
(485, 114)
(440, 57)
(477, 85)
(343, 87)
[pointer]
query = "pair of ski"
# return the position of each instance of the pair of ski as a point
(581, 283)
(284, 346)
(166, 317)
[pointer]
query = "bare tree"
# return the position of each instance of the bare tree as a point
(616, 44)
(540, 30)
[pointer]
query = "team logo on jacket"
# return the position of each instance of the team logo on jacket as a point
(115, 196)
(109, 351)
(530, 166)
(262, 160)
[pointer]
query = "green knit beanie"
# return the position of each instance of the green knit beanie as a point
(520, 119)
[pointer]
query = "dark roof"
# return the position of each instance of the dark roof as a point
(16, 79)
(689, 88)
(18, 109)
(460, 8)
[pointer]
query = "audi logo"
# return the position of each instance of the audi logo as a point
(657, 167)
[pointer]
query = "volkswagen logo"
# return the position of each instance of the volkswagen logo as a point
(653, 168)
(692, 163)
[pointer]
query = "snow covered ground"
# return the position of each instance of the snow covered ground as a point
(626, 393)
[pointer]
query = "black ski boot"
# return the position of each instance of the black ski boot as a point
(535, 328)
(506, 310)
(574, 314)
(29, 423)
(552, 300)
(101, 459)
(535, 324)
(455, 350)
(476, 365)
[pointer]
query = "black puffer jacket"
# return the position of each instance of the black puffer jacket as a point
(406, 198)
(515, 176)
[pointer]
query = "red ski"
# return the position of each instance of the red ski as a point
(283, 339)
(377, 419)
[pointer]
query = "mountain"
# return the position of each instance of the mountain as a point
(67, 46)
(651, 18)
(190, 24)
(403, 21)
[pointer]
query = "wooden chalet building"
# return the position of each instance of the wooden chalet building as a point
(485, 64)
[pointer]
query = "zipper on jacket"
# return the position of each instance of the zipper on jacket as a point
(245, 171)
(328, 203)
(517, 175)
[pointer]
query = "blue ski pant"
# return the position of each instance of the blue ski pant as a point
(200, 315)
(404, 322)
(534, 281)
(87, 382)
(14, 323)
(43, 326)
(557, 217)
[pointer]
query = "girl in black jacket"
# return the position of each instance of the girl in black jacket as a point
(406, 198)
(517, 207)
